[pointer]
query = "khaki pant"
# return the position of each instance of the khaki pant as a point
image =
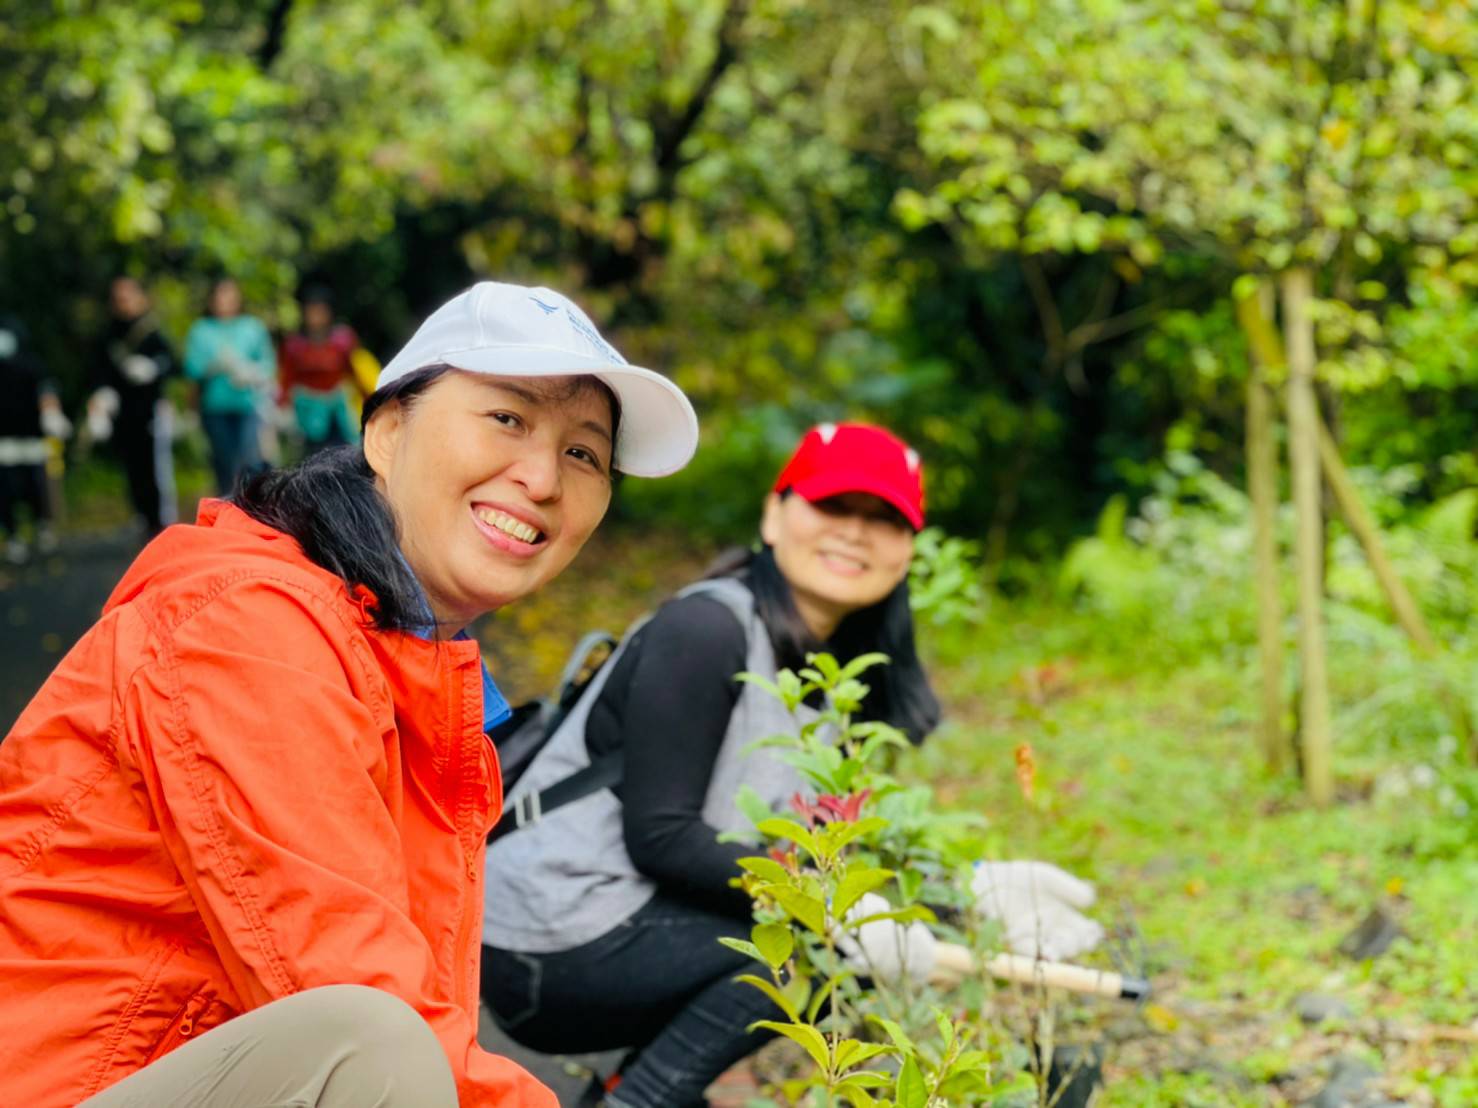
(339, 1045)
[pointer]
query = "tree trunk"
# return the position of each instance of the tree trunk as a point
(1254, 312)
(1303, 452)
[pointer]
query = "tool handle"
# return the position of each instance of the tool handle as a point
(953, 962)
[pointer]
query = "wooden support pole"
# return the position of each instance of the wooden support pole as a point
(1254, 313)
(1347, 497)
(1297, 287)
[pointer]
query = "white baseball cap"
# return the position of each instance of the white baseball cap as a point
(513, 331)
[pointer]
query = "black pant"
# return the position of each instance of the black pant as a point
(660, 983)
(22, 485)
(140, 452)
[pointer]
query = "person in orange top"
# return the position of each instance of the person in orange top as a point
(242, 823)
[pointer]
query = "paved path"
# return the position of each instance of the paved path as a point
(47, 604)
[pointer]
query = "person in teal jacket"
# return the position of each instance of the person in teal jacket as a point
(231, 355)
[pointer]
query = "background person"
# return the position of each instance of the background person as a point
(231, 355)
(317, 371)
(29, 414)
(244, 818)
(128, 406)
(611, 908)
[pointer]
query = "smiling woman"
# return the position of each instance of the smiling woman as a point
(496, 481)
(275, 737)
(605, 914)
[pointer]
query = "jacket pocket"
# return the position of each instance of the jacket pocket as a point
(201, 1012)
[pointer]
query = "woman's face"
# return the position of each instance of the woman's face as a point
(839, 555)
(225, 300)
(496, 483)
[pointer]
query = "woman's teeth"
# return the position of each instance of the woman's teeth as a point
(843, 560)
(508, 525)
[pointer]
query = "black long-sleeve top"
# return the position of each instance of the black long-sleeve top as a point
(667, 704)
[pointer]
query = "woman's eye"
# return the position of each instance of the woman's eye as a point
(507, 419)
(583, 455)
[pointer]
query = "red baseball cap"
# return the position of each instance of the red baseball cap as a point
(837, 458)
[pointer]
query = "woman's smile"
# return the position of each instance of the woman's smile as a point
(515, 533)
(848, 565)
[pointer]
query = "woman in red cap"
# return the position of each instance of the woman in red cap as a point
(609, 909)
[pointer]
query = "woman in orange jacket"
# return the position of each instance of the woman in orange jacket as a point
(242, 824)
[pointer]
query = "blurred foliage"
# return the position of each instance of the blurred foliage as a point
(1009, 230)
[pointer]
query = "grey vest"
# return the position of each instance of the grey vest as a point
(567, 879)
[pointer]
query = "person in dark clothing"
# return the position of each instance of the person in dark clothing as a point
(611, 907)
(29, 414)
(128, 406)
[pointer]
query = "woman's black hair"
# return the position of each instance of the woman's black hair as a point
(330, 504)
(899, 692)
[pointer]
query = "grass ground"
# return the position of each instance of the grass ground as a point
(1149, 783)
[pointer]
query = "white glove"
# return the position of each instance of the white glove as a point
(885, 949)
(242, 373)
(139, 369)
(101, 409)
(55, 423)
(1037, 906)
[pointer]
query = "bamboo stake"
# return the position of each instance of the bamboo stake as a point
(1364, 529)
(1403, 605)
(1303, 451)
(1254, 313)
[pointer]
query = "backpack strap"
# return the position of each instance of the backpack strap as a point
(607, 770)
(602, 773)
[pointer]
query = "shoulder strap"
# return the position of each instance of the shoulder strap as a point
(530, 808)
(607, 770)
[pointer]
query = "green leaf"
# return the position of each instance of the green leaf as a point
(752, 805)
(779, 827)
(838, 835)
(854, 885)
(761, 682)
(854, 1093)
(743, 948)
(910, 1091)
(768, 988)
(862, 663)
(818, 998)
(808, 909)
(853, 1052)
(895, 1032)
(774, 941)
(766, 869)
(798, 991)
(808, 1037)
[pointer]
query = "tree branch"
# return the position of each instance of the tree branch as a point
(670, 131)
(276, 34)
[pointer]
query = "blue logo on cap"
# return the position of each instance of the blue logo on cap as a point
(549, 309)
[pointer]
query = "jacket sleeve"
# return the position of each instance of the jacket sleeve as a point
(261, 743)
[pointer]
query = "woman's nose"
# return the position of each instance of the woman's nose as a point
(537, 470)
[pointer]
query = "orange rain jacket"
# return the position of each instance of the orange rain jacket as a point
(234, 788)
